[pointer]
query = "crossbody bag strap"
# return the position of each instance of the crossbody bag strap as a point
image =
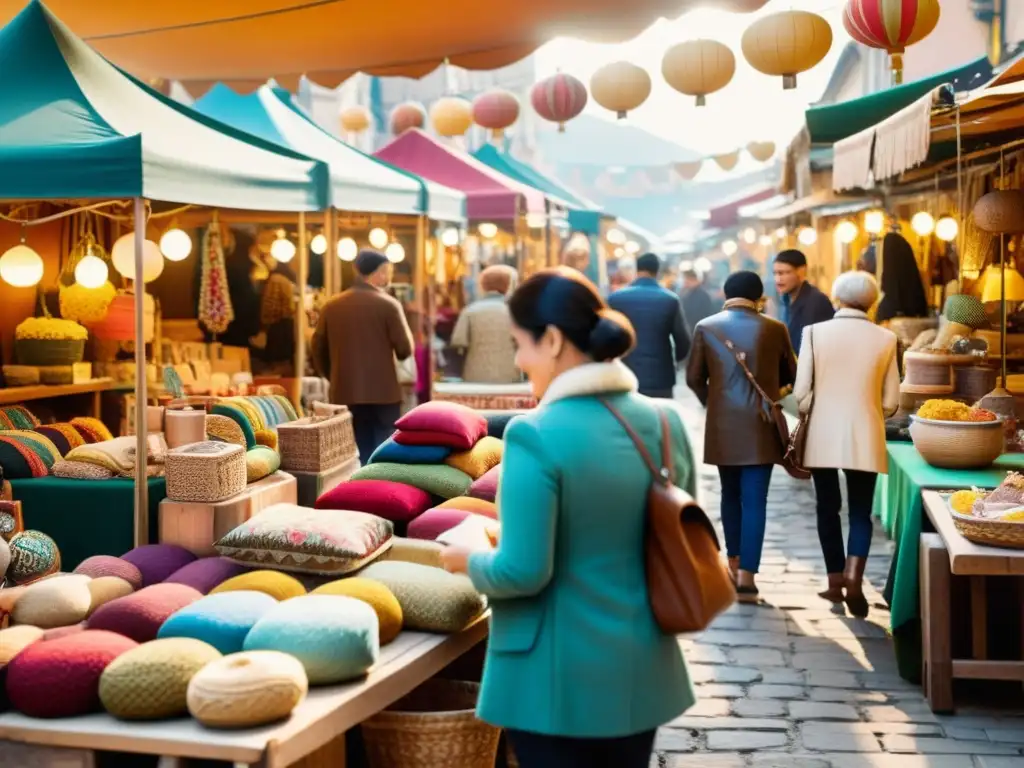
(663, 474)
(741, 360)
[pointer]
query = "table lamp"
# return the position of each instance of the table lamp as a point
(1001, 286)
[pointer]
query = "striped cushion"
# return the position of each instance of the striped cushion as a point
(92, 430)
(240, 417)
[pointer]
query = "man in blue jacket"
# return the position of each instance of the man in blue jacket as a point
(800, 303)
(656, 313)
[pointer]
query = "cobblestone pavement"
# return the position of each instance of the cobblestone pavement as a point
(790, 684)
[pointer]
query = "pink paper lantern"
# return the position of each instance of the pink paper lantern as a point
(496, 110)
(406, 116)
(559, 98)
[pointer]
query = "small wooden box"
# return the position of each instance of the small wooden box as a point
(312, 485)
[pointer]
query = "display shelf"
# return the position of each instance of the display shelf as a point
(16, 395)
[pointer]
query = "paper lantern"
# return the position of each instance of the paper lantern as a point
(727, 161)
(451, 116)
(846, 231)
(947, 228)
(348, 249)
(923, 223)
(21, 267)
(620, 87)
(688, 171)
(175, 244)
(1001, 212)
(282, 249)
(559, 98)
(395, 253)
(762, 151)
(91, 272)
(378, 238)
(355, 119)
(807, 236)
(123, 257)
(318, 244)
(698, 67)
(891, 25)
(787, 43)
(496, 110)
(407, 116)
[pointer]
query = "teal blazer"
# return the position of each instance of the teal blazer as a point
(574, 649)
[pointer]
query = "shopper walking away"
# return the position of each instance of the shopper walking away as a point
(484, 330)
(800, 302)
(656, 314)
(740, 439)
(847, 384)
(360, 334)
(697, 302)
(577, 669)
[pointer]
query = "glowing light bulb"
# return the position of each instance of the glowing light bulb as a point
(378, 238)
(946, 229)
(632, 246)
(766, 240)
(91, 272)
(616, 236)
(874, 222)
(488, 230)
(729, 247)
(450, 237)
(21, 267)
(846, 231)
(923, 223)
(395, 253)
(175, 244)
(318, 245)
(781, 233)
(347, 249)
(282, 249)
(123, 256)
(703, 264)
(749, 236)
(807, 236)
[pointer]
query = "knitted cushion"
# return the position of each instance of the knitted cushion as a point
(415, 551)
(434, 522)
(150, 682)
(497, 422)
(288, 407)
(92, 430)
(293, 538)
(158, 561)
(450, 418)
(396, 453)
(34, 555)
(14, 640)
(267, 438)
(20, 417)
(140, 614)
(221, 620)
(61, 435)
(436, 479)
(117, 455)
(246, 690)
(261, 462)
(268, 413)
(81, 470)
(57, 602)
(60, 442)
(455, 442)
(485, 455)
(279, 586)
(486, 487)
(224, 429)
(60, 678)
(432, 600)
(335, 638)
(23, 457)
(250, 410)
(374, 594)
(206, 573)
(238, 416)
(471, 504)
(58, 632)
(105, 565)
(392, 501)
(105, 589)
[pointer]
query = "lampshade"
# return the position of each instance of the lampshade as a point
(991, 292)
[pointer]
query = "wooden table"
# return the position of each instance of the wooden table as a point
(946, 554)
(17, 395)
(314, 735)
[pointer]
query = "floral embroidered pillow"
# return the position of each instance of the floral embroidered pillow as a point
(287, 537)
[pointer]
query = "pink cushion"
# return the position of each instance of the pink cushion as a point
(486, 487)
(158, 561)
(434, 522)
(396, 502)
(140, 615)
(460, 423)
(107, 565)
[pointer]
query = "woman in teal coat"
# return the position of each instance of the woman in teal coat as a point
(577, 669)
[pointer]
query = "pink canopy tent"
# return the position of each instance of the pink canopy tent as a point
(489, 194)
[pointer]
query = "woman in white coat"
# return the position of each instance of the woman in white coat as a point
(848, 382)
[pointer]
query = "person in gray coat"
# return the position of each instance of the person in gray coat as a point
(662, 341)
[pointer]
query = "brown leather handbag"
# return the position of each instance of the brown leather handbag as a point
(687, 582)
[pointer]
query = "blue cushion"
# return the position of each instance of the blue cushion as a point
(222, 620)
(395, 453)
(336, 638)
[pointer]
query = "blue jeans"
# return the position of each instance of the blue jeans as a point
(744, 512)
(860, 496)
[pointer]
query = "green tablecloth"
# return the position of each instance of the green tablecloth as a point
(87, 517)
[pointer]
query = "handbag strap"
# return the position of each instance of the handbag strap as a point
(741, 360)
(666, 473)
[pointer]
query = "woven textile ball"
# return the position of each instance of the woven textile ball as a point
(245, 690)
(60, 678)
(106, 565)
(375, 595)
(57, 602)
(432, 600)
(5, 557)
(158, 561)
(279, 586)
(105, 589)
(335, 638)
(221, 620)
(33, 556)
(140, 615)
(151, 682)
(206, 573)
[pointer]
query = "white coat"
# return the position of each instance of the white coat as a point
(856, 387)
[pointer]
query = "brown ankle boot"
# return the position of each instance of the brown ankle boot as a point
(834, 593)
(854, 578)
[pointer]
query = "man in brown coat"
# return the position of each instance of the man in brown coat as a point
(360, 334)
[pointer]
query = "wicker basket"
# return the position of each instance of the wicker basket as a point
(206, 472)
(958, 444)
(992, 533)
(316, 445)
(435, 726)
(47, 352)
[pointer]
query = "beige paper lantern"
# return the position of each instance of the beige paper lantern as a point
(787, 43)
(698, 67)
(728, 161)
(762, 151)
(688, 171)
(355, 119)
(620, 87)
(451, 116)
(1000, 212)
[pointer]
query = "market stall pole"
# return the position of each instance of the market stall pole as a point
(301, 317)
(141, 399)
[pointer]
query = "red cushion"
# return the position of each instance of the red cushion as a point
(434, 522)
(396, 502)
(140, 615)
(444, 439)
(486, 487)
(61, 678)
(453, 419)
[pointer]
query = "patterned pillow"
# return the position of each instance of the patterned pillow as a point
(240, 418)
(375, 595)
(436, 479)
(486, 487)
(483, 456)
(245, 690)
(71, 436)
(25, 454)
(471, 504)
(105, 565)
(205, 574)
(20, 417)
(261, 462)
(57, 602)
(80, 470)
(224, 429)
(396, 453)
(92, 430)
(293, 538)
(392, 501)
(434, 522)
(432, 600)
(454, 419)
(279, 586)
(58, 438)
(140, 614)
(158, 561)
(34, 556)
(221, 620)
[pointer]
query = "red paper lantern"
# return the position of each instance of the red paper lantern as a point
(891, 25)
(559, 98)
(495, 110)
(406, 116)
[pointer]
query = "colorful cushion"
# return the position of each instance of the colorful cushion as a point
(279, 586)
(81, 470)
(415, 551)
(335, 638)
(436, 479)
(206, 573)
(19, 417)
(251, 412)
(267, 412)
(288, 407)
(486, 487)
(60, 678)
(471, 504)
(150, 682)
(485, 455)
(432, 600)
(434, 522)
(267, 438)
(57, 602)
(60, 442)
(224, 429)
(105, 589)
(26, 454)
(239, 417)
(453, 419)
(455, 442)
(245, 690)
(106, 565)
(140, 614)
(158, 561)
(117, 455)
(497, 422)
(375, 595)
(293, 538)
(34, 556)
(221, 620)
(92, 430)
(261, 462)
(396, 453)
(62, 435)
(392, 501)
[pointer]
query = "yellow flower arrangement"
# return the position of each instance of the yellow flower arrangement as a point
(86, 305)
(51, 329)
(963, 501)
(944, 410)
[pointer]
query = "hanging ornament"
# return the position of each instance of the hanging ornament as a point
(891, 25)
(215, 310)
(407, 116)
(451, 116)
(698, 68)
(688, 171)
(620, 87)
(355, 119)
(559, 99)
(762, 151)
(787, 43)
(728, 161)
(496, 110)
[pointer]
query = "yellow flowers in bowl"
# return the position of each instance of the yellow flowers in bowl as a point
(86, 305)
(50, 329)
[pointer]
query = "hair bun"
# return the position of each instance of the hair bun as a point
(612, 337)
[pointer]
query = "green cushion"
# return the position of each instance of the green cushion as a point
(432, 600)
(261, 462)
(437, 479)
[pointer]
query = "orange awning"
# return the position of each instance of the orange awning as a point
(248, 41)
